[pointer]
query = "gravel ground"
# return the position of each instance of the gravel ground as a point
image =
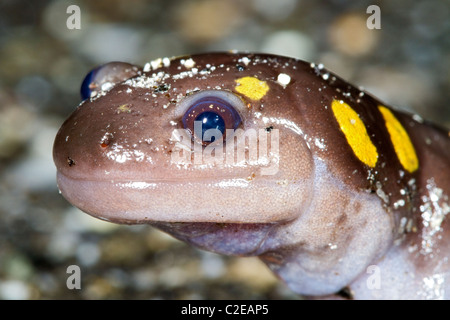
(42, 63)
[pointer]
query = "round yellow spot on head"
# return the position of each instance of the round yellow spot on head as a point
(251, 87)
(355, 132)
(400, 140)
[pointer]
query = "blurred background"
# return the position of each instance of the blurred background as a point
(42, 63)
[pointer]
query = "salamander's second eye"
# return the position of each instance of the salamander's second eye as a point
(105, 77)
(210, 116)
(88, 85)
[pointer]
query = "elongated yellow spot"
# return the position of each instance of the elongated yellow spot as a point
(355, 132)
(252, 87)
(400, 140)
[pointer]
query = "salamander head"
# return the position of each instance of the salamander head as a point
(206, 138)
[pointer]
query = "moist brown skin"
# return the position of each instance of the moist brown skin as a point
(264, 218)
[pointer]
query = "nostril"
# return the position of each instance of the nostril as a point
(106, 140)
(70, 161)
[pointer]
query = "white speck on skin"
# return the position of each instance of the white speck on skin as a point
(399, 203)
(383, 196)
(319, 143)
(106, 86)
(417, 118)
(332, 246)
(166, 62)
(402, 225)
(155, 64)
(245, 60)
(283, 79)
(434, 287)
(188, 64)
(147, 81)
(434, 209)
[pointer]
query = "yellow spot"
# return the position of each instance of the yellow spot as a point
(355, 132)
(252, 87)
(123, 108)
(402, 144)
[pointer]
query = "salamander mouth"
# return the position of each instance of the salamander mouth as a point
(138, 202)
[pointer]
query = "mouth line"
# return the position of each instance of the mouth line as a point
(127, 201)
(216, 179)
(149, 183)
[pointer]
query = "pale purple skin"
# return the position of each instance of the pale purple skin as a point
(324, 222)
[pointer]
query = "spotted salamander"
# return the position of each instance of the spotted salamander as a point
(260, 155)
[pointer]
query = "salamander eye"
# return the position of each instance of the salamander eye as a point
(105, 77)
(210, 114)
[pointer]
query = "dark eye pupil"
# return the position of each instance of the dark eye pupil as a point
(210, 116)
(211, 120)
